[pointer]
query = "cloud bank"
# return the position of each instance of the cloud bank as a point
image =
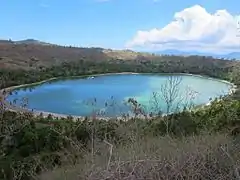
(193, 29)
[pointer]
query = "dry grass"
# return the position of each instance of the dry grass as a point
(31, 56)
(200, 157)
(125, 54)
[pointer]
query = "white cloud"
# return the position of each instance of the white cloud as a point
(193, 29)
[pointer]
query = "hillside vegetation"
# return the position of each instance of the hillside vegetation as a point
(200, 143)
(32, 54)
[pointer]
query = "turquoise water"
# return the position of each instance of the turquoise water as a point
(107, 95)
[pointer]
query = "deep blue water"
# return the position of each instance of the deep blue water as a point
(109, 92)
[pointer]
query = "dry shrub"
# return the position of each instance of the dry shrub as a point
(200, 157)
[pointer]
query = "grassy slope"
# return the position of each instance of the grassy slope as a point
(33, 55)
(198, 157)
(21, 55)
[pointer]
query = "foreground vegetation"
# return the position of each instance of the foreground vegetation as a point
(31, 145)
(196, 157)
(198, 144)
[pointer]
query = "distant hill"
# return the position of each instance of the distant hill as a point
(125, 54)
(33, 54)
(30, 54)
(233, 55)
(31, 41)
(25, 41)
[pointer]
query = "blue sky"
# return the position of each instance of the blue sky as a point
(105, 23)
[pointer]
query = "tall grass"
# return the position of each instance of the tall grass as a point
(206, 156)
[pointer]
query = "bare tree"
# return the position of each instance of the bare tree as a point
(170, 99)
(175, 99)
(155, 105)
(170, 91)
(188, 98)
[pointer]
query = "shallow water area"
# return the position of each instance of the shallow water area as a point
(107, 94)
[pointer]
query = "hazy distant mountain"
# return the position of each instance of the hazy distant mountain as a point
(233, 55)
(31, 41)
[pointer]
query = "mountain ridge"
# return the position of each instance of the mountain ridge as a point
(228, 56)
(33, 54)
(31, 41)
(232, 55)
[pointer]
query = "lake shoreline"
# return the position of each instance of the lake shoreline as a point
(5, 92)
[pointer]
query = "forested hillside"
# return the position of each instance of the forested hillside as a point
(27, 56)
